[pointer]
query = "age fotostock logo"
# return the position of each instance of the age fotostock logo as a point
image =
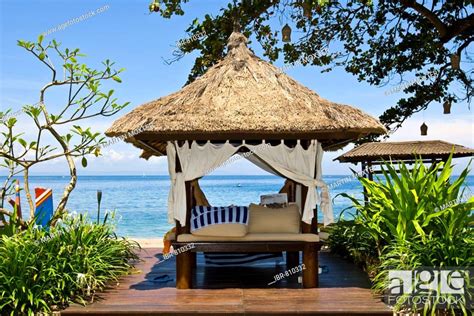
(446, 286)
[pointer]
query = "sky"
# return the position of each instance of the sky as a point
(125, 32)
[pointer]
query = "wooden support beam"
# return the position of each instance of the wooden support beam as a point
(370, 171)
(292, 259)
(193, 259)
(186, 261)
(364, 174)
(184, 269)
(311, 266)
(189, 206)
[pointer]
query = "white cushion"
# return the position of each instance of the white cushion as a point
(253, 237)
(223, 229)
(268, 220)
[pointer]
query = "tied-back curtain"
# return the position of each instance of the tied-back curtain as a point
(300, 165)
(196, 161)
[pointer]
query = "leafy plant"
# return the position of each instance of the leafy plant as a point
(412, 203)
(416, 218)
(351, 241)
(44, 270)
(85, 99)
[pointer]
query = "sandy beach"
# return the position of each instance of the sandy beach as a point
(149, 242)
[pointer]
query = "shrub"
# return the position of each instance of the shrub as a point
(349, 240)
(44, 270)
(416, 218)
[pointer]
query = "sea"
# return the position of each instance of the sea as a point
(140, 202)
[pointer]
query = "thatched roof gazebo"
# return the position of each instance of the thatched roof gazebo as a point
(244, 104)
(243, 97)
(374, 154)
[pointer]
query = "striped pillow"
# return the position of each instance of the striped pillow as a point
(231, 221)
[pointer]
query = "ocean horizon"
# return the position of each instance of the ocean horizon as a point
(140, 202)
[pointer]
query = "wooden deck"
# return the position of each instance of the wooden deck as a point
(344, 290)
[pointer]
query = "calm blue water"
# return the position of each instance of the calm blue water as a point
(140, 202)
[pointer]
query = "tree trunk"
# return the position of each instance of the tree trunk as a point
(60, 210)
(28, 194)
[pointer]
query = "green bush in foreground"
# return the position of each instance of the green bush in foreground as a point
(349, 240)
(415, 218)
(42, 271)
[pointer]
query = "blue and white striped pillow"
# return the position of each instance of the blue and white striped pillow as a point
(204, 216)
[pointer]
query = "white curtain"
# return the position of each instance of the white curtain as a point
(261, 164)
(196, 161)
(297, 164)
(300, 165)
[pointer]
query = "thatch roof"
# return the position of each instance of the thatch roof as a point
(430, 149)
(243, 97)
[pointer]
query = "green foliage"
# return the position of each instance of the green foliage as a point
(378, 42)
(351, 241)
(12, 226)
(43, 270)
(412, 203)
(414, 218)
(85, 99)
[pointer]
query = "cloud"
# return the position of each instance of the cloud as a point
(116, 156)
(455, 130)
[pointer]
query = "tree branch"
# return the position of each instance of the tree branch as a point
(458, 27)
(431, 16)
(28, 193)
(11, 215)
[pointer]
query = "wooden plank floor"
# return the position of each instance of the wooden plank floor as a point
(344, 290)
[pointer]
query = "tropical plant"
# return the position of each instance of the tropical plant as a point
(418, 217)
(43, 270)
(412, 203)
(349, 240)
(85, 100)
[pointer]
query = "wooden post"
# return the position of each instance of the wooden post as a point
(311, 266)
(370, 174)
(314, 221)
(310, 252)
(193, 259)
(364, 170)
(186, 260)
(184, 270)
(179, 228)
(292, 259)
(189, 206)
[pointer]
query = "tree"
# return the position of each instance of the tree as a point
(378, 42)
(85, 100)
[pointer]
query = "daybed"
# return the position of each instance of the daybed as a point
(306, 240)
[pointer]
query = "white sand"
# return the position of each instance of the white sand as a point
(149, 242)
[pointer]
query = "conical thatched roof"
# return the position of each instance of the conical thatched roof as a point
(242, 97)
